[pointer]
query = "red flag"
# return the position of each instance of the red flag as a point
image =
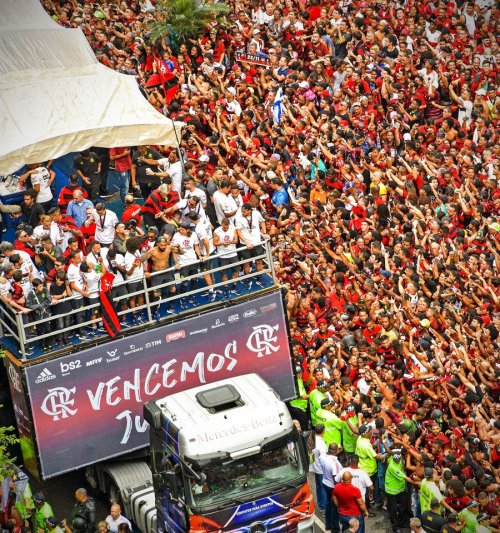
(108, 311)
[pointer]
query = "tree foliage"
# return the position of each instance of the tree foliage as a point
(183, 19)
(7, 439)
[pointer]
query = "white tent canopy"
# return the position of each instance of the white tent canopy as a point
(56, 98)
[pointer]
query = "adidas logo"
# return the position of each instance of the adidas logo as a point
(45, 375)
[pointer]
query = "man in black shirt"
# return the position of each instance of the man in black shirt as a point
(144, 163)
(32, 211)
(88, 167)
(432, 521)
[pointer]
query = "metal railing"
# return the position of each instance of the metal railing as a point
(20, 326)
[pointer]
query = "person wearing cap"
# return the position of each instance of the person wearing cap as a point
(316, 396)
(332, 422)
(299, 407)
(453, 523)
(395, 488)
(43, 510)
(367, 456)
(430, 491)
(469, 514)
(483, 523)
(432, 520)
(53, 525)
(331, 467)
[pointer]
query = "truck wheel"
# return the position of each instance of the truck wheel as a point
(90, 477)
(114, 493)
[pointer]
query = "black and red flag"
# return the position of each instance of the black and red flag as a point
(108, 311)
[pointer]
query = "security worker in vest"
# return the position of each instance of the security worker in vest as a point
(300, 406)
(82, 519)
(53, 525)
(42, 511)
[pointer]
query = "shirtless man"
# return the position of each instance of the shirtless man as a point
(160, 259)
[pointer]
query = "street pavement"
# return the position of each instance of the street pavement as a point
(376, 524)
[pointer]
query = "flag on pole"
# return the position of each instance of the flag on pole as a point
(278, 105)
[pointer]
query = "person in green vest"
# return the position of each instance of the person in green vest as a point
(298, 407)
(53, 525)
(332, 422)
(364, 450)
(483, 523)
(315, 397)
(470, 514)
(350, 431)
(395, 488)
(42, 511)
(24, 496)
(429, 491)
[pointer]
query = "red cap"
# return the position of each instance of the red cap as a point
(256, 142)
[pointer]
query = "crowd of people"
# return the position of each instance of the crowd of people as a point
(361, 138)
(25, 512)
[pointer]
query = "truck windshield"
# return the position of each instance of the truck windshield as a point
(279, 462)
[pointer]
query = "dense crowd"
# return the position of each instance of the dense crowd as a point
(362, 138)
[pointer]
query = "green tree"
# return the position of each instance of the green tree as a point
(183, 19)
(7, 439)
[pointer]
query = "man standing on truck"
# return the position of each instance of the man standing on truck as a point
(82, 518)
(160, 259)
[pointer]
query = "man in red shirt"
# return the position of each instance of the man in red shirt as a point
(119, 172)
(349, 502)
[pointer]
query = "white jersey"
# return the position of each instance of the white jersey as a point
(204, 231)
(138, 272)
(53, 232)
(234, 204)
(75, 276)
(119, 260)
(187, 244)
(221, 204)
(360, 479)
(185, 209)
(250, 227)
(198, 193)
(228, 249)
(41, 177)
(105, 226)
(91, 280)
